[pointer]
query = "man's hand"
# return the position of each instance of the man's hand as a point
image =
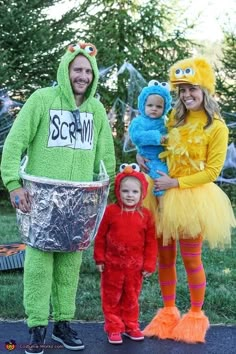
(21, 199)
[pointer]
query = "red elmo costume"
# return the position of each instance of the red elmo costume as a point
(126, 244)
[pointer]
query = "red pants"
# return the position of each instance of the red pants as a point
(120, 291)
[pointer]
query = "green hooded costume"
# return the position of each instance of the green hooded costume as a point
(64, 142)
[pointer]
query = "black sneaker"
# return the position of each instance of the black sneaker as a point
(63, 333)
(37, 340)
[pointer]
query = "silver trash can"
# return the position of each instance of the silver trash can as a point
(64, 215)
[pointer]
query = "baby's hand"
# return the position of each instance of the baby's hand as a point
(163, 139)
(100, 267)
(141, 161)
(146, 274)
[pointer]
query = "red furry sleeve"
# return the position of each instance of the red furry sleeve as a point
(100, 239)
(150, 248)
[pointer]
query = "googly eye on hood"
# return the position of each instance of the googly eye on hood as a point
(195, 71)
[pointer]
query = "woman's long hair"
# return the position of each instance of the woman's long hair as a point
(211, 108)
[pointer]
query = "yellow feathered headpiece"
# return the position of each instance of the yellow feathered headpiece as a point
(194, 71)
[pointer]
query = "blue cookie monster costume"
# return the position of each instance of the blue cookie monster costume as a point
(146, 132)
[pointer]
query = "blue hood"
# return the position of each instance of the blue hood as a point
(154, 90)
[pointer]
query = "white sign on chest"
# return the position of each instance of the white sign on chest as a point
(69, 130)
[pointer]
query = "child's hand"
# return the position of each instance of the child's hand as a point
(163, 139)
(141, 161)
(100, 267)
(146, 274)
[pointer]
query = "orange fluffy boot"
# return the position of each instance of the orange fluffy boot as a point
(191, 328)
(163, 323)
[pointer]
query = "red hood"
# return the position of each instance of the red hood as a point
(129, 171)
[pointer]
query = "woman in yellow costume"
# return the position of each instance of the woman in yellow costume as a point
(194, 208)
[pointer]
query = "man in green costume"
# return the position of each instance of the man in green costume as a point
(49, 128)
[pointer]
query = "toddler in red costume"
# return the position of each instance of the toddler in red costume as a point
(125, 251)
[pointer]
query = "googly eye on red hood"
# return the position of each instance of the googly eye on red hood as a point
(129, 167)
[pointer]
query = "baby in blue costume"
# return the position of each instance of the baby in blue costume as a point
(147, 131)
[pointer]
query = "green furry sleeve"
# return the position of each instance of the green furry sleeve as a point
(105, 147)
(18, 140)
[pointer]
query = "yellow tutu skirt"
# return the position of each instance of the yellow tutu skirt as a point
(187, 213)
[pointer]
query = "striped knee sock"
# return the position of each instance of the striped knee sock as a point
(191, 255)
(167, 272)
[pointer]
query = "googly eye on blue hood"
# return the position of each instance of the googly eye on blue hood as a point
(156, 89)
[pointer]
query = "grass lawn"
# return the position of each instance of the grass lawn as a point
(220, 304)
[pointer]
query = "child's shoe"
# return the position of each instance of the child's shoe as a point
(134, 334)
(114, 338)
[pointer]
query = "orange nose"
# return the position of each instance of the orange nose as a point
(128, 169)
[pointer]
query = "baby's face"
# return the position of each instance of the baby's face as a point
(154, 106)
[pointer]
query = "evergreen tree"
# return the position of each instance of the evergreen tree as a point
(226, 82)
(226, 89)
(31, 43)
(150, 35)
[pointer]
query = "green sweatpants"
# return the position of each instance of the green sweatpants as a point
(50, 274)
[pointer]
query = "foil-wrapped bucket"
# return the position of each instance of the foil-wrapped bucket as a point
(64, 215)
